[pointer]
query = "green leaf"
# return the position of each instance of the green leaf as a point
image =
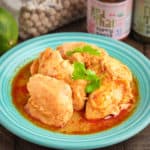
(91, 50)
(92, 86)
(85, 49)
(76, 50)
(80, 72)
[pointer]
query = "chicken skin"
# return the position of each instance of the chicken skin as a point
(34, 67)
(117, 70)
(51, 63)
(50, 100)
(64, 48)
(78, 94)
(109, 99)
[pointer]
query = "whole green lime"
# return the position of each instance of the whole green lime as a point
(8, 31)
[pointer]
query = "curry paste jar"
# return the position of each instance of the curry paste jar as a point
(109, 17)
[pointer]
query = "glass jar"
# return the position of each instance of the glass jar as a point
(109, 17)
(141, 21)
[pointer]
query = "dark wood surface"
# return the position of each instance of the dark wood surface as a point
(141, 141)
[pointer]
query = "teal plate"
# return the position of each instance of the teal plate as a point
(23, 53)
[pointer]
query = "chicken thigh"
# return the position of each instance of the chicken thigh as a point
(109, 99)
(118, 71)
(50, 100)
(51, 63)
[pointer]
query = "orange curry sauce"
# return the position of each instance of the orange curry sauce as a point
(78, 124)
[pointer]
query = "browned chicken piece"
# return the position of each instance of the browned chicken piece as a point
(64, 48)
(50, 100)
(91, 61)
(109, 99)
(43, 56)
(51, 63)
(118, 71)
(78, 94)
(48, 61)
(34, 67)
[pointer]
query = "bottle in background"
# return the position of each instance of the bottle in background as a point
(141, 21)
(109, 17)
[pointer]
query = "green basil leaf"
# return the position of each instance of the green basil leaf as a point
(80, 72)
(86, 49)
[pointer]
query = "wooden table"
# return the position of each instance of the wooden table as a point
(141, 141)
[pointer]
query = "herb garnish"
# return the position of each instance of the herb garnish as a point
(80, 72)
(85, 49)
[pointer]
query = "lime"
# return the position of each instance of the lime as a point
(8, 31)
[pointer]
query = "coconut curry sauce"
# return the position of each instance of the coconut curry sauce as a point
(78, 124)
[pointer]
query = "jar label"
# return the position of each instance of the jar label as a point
(109, 19)
(141, 19)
